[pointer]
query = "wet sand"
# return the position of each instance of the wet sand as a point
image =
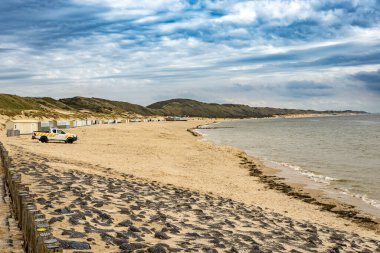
(209, 195)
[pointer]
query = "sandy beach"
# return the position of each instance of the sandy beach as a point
(153, 183)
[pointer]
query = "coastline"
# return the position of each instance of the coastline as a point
(351, 209)
(310, 115)
(165, 152)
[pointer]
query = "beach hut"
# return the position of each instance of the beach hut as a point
(63, 124)
(75, 123)
(24, 126)
(79, 123)
(135, 120)
(176, 118)
(88, 122)
(46, 125)
(83, 122)
(153, 119)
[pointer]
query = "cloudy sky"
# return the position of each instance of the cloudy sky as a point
(280, 53)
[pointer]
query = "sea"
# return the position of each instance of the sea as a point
(339, 155)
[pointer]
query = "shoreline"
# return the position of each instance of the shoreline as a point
(112, 211)
(165, 152)
(299, 190)
(311, 115)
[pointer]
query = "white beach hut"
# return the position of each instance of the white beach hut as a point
(79, 123)
(24, 126)
(175, 118)
(63, 124)
(83, 122)
(46, 125)
(135, 120)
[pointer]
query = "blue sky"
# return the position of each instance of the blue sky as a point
(294, 54)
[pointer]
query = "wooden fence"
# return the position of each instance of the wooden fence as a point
(11, 132)
(36, 231)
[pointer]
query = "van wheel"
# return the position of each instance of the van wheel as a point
(44, 139)
(70, 140)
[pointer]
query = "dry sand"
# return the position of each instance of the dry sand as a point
(166, 153)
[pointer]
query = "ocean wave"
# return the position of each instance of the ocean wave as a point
(199, 132)
(311, 175)
(363, 197)
(327, 181)
(204, 126)
(367, 200)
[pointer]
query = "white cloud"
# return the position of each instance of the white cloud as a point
(132, 8)
(240, 13)
(141, 50)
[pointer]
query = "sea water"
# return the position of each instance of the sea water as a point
(339, 154)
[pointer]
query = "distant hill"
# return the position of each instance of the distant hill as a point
(194, 108)
(13, 105)
(99, 105)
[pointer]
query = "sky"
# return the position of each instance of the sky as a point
(314, 54)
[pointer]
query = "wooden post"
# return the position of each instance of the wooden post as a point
(35, 228)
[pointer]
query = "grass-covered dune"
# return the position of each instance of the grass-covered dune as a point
(12, 105)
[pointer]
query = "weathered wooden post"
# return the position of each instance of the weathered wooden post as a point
(35, 229)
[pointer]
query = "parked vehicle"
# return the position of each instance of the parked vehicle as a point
(54, 134)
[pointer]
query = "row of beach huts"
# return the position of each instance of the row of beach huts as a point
(28, 126)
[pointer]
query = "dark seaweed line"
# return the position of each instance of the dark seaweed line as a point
(276, 183)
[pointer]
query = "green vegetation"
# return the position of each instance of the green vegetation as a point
(99, 105)
(12, 105)
(194, 108)
(47, 102)
(82, 107)
(13, 102)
